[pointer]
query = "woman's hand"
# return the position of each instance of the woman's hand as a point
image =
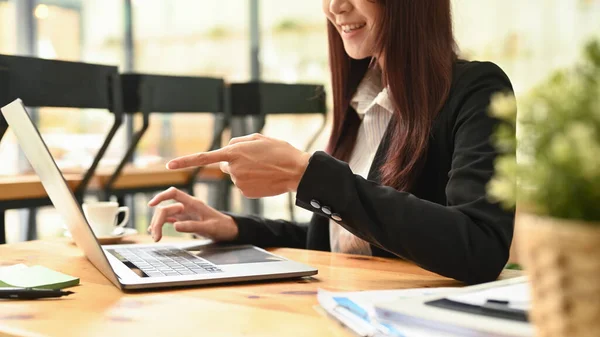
(259, 166)
(190, 215)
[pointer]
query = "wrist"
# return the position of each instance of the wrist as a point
(232, 229)
(298, 172)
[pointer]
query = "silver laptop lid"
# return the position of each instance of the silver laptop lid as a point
(41, 160)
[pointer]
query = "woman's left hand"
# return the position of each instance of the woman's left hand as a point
(258, 165)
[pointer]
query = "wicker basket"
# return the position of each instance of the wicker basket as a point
(562, 260)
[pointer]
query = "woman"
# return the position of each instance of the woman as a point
(408, 159)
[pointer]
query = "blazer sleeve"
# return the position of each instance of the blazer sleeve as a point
(270, 233)
(467, 239)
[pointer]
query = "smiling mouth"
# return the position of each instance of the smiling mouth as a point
(352, 27)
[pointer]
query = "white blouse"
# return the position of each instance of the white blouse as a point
(374, 107)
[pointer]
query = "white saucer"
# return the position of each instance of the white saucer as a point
(111, 239)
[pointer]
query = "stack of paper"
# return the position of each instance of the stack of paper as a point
(356, 310)
(22, 276)
(497, 308)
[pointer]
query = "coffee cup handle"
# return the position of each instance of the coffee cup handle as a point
(124, 209)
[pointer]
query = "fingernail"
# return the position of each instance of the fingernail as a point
(171, 165)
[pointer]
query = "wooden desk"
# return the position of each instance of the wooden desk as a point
(253, 309)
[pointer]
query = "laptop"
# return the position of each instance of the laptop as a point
(143, 266)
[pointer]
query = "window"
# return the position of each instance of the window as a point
(72, 30)
(8, 45)
(528, 39)
(8, 33)
(188, 38)
(79, 30)
(294, 49)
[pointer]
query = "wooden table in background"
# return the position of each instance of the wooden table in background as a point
(283, 308)
(156, 175)
(28, 186)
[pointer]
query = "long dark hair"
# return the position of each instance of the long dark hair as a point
(417, 45)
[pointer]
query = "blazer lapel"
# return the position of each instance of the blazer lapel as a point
(379, 158)
(374, 175)
(318, 231)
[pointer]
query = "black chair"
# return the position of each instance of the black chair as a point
(148, 94)
(258, 99)
(3, 89)
(50, 83)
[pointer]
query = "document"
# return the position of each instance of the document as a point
(498, 308)
(516, 296)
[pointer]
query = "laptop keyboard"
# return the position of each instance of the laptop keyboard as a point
(166, 261)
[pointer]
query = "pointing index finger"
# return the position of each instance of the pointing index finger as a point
(171, 194)
(200, 159)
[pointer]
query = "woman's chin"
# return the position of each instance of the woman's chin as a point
(357, 55)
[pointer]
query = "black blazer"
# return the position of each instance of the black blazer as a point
(445, 224)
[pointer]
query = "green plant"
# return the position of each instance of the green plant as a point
(551, 148)
(219, 33)
(288, 25)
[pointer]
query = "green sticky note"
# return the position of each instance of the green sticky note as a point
(22, 276)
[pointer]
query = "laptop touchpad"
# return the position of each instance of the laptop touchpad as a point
(222, 255)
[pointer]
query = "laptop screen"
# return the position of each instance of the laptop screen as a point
(62, 198)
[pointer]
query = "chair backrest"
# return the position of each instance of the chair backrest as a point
(146, 94)
(261, 99)
(50, 83)
(168, 94)
(3, 89)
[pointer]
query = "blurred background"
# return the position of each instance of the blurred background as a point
(240, 40)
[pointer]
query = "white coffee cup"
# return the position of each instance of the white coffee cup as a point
(102, 216)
